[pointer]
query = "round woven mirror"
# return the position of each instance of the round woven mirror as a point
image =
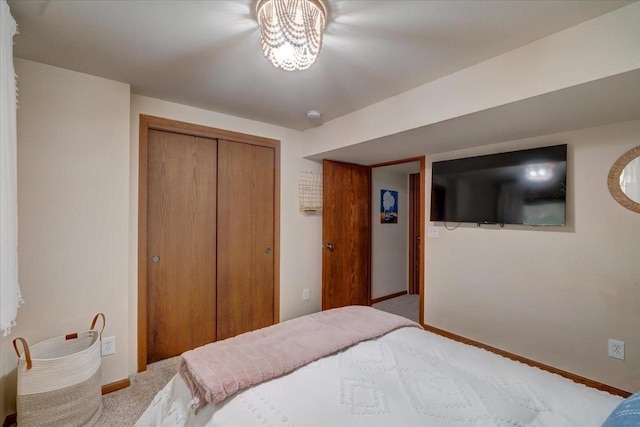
(624, 180)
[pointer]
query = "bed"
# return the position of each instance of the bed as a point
(404, 377)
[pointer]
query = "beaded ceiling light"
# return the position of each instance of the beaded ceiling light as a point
(291, 31)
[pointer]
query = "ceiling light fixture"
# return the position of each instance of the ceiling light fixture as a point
(291, 31)
(313, 114)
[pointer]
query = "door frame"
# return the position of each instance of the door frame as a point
(422, 198)
(168, 125)
(415, 188)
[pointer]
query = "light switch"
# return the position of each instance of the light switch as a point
(433, 232)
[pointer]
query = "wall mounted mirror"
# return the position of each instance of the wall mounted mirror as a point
(624, 180)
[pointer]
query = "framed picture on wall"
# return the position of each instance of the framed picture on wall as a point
(388, 207)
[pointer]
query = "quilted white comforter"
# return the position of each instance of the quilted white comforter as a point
(408, 377)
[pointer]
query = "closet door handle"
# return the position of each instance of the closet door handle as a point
(329, 246)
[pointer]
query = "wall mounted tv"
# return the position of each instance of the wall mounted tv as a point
(518, 187)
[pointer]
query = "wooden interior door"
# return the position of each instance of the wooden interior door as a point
(414, 233)
(246, 204)
(346, 235)
(181, 243)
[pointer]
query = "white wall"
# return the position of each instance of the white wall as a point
(389, 242)
(73, 208)
(300, 235)
(554, 295)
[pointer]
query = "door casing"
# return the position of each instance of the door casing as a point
(415, 189)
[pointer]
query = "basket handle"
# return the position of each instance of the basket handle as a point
(27, 353)
(95, 319)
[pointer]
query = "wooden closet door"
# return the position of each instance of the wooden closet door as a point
(246, 176)
(181, 215)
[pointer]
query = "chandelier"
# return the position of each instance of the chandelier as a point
(291, 31)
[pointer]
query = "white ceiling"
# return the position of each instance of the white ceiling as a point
(207, 53)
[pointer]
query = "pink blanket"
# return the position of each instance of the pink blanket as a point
(218, 370)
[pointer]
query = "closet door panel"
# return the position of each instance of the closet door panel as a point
(181, 243)
(245, 236)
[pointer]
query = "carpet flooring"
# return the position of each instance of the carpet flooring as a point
(122, 408)
(406, 306)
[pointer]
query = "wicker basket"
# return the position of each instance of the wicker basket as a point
(59, 380)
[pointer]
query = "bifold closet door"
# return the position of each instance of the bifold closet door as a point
(245, 277)
(181, 243)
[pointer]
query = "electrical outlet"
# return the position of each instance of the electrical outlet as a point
(108, 346)
(305, 295)
(616, 349)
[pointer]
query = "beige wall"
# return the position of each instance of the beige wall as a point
(78, 174)
(389, 242)
(300, 239)
(551, 294)
(73, 207)
(5, 368)
(598, 48)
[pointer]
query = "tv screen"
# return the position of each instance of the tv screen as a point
(518, 187)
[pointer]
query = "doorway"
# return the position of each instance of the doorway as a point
(395, 276)
(367, 203)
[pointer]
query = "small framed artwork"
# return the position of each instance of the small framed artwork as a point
(388, 207)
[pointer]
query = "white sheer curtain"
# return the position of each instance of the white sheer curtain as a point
(10, 297)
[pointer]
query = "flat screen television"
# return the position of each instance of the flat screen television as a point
(518, 187)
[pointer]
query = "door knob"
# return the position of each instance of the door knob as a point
(267, 250)
(155, 259)
(329, 246)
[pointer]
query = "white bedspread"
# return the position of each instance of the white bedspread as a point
(408, 377)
